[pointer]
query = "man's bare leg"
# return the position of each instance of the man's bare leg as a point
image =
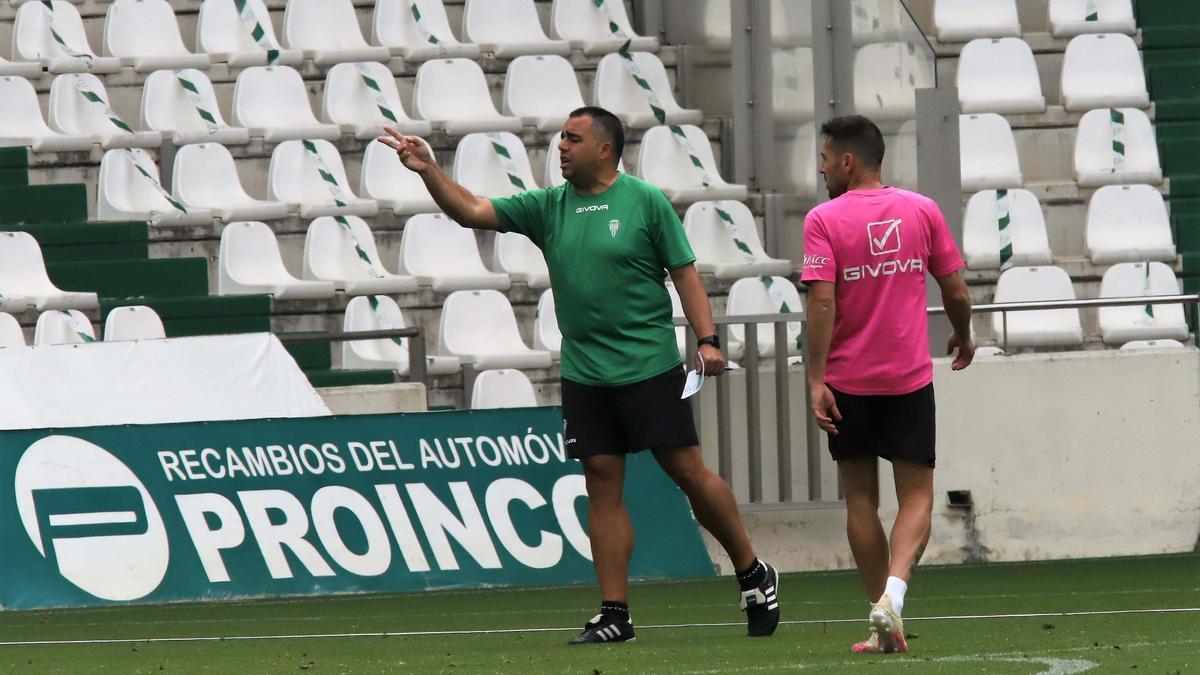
(910, 533)
(608, 524)
(868, 543)
(712, 501)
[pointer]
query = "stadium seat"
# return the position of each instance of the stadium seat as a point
(718, 253)
(129, 188)
(394, 26)
(24, 282)
(886, 78)
(988, 153)
(1151, 345)
(327, 32)
(480, 328)
(294, 177)
(385, 353)
(1128, 223)
(1141, 322)
(677, 313)
(542, 91)
(1114, 147)
(133, 322)
(791, 24)
(1069, 18)
(384, 179)
(999, 76)
(453, 95)
(546, 334)
(444, 255)
(988, 352)
(11, 334)
(715, 20)
(616, 90)
(59, 327)
(18, 69)
(249, 263)
(168, 107)
(206, 177)
(963, 20)
(553, 173)
(792, 84)
(72, 114)
(751, 296)
(663, 162)
(1103, 71)
(225, 37)
(1042, 327)
(1027, 227)
(521, 259)
(145, 35)
(479, 167)
(873, 21)
(33, 41)
(357, 96)
(331, 253)
(504, 388)
(508, 28)
(797, 159)
(586, 27)
(272, 102)
(21, 122)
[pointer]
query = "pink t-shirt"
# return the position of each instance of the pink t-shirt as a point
(876, 246)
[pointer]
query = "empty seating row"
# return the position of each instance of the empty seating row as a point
(962, 20)
(59, 327)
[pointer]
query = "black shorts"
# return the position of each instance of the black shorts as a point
(891, 427)
(627, 418)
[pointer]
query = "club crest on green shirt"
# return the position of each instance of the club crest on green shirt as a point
(613, 226)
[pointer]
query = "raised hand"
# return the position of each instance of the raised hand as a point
(414, 153)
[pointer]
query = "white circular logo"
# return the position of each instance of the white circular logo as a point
(87, 512)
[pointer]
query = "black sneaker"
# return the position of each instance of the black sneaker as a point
(603, 629)
(761, 605)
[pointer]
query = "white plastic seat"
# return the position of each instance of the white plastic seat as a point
(353, 105)
(21, 122)
(874, 21)
(168, 107)
(792, 84)
(1124, 324)
(24, 282)
(1128, 223)
(224, 36)
(715, 249)
(616, 91)
(133, 322)
(272, 102)
(144, 34)
(72, 114)
(541, 90)
(58, 327)
(1069, 18)
(988, 153)
(327, 32)
(677, 313)
(479, 168)
(552, 175)
(750, 296)
(453, 95)
(1103, 71)
(206, 177)
(32, 40)
(384, 354)
(393, 26)
(11, 334)
(1027, 227)
(546, 334)
(663, 162)
(249, 263)
(20, 69)
(999, 76)
(384, 179)
(1042, 327)
(480, 328)
(294, 178)
(443, 254)
(1151, 345)
(330, 255)
(585, 26)
(124, 193)
(886, 78)
(503, 388)
(1097, 161)
(518, 257)
(963, 20)
(508, 28)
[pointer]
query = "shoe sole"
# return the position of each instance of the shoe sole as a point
(890, 640)
(776, 625)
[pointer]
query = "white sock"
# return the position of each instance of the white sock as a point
(895, 589)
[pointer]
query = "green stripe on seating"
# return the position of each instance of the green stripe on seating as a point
(14, 158)
(43, 203)
(133, 278)
(204, 314)
(311, 355)
(349, 378)
(84, 242)
(14, 177)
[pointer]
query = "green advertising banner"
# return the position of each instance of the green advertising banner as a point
(372, 503)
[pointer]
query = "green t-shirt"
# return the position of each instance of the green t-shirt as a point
(608, 255)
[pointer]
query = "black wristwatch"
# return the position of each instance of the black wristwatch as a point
(710, 340)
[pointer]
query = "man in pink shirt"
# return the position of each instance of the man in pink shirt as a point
(866, 254)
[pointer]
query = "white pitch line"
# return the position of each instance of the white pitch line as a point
(502, 631)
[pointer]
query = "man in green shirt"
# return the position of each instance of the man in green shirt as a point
(609, 240)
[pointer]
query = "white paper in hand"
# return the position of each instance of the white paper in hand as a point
(695, 380)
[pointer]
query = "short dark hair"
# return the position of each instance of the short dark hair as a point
(858, 136)
(607, 123)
